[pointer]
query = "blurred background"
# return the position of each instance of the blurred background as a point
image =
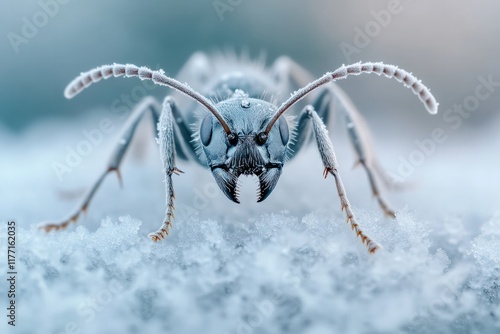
(447, 44)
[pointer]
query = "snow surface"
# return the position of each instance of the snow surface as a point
(288, 265)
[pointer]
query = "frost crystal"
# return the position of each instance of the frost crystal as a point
(245, 269)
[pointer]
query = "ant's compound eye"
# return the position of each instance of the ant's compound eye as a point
(283, 126)
(206, 130)
(232, 138)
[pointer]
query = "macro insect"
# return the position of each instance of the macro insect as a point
(238, 131)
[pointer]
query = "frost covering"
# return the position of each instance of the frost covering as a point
(260, 271)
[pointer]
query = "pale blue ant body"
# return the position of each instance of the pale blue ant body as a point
(242, 133)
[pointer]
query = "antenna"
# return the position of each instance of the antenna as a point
(86, 79)
(344, 71)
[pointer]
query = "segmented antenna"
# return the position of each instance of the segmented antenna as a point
(158, 77)
(343, 72)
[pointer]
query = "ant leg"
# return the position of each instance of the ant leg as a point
(327, 153)
(147, 104)
(361, 151)
(167, 154)
(293, 76)
(361, 140)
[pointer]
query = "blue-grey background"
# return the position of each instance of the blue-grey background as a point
(446, 43)
(289, 264)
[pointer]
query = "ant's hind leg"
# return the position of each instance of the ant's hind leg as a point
(362, 143)
(368, 163)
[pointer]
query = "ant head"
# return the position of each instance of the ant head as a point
(247, 149)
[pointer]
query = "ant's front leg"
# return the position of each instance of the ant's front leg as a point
(167, 154)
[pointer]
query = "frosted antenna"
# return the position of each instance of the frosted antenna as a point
(158, 77)
(343, 72)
